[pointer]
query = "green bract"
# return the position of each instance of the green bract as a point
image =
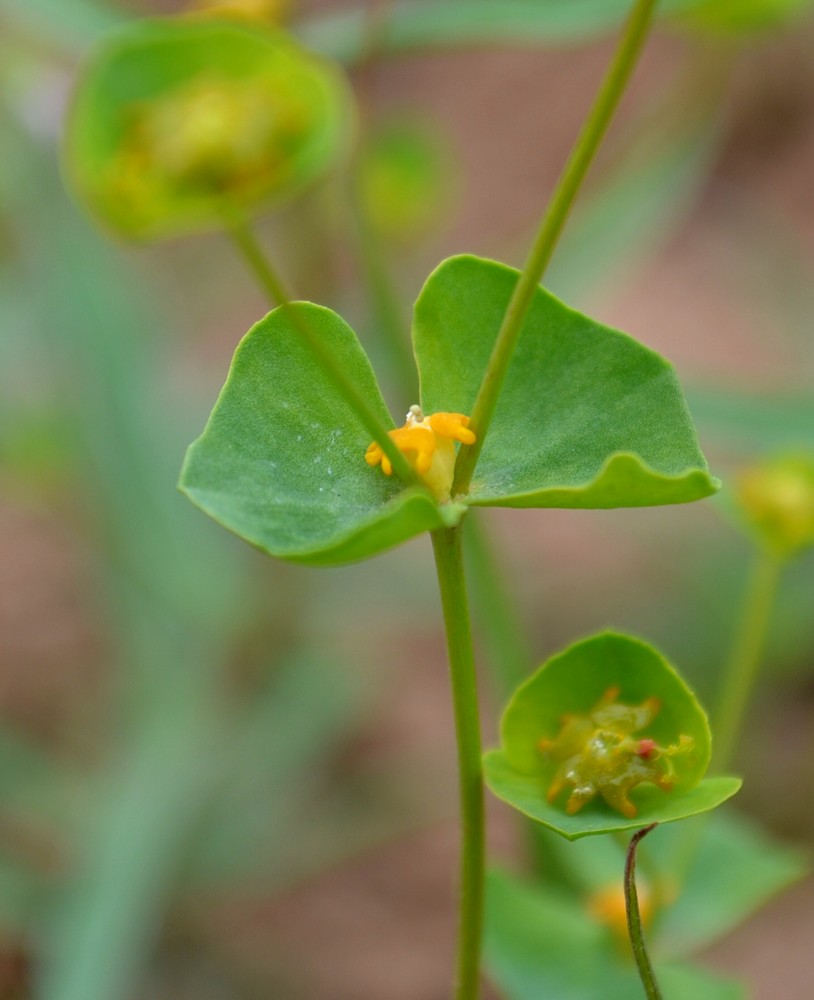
(571, 684)
(176, 122)
(281, 462)
(587, 418)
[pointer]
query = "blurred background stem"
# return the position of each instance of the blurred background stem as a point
(745, 656)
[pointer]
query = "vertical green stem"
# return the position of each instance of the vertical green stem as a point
(258, 262)
(270, 282)
(498, 618)
(449, 564)
(634, 919)
(582, 156)
(394, 334)
(736, 687)
(744, 660)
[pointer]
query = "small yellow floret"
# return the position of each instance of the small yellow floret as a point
(428, 444)
(607, 906)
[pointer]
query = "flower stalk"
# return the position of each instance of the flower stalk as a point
(449, 565)
(272, 285)
(747, 651)
(582, 156)
(634, 918)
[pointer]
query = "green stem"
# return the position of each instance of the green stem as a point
(270, 282)
(744, 660)
(449, 564)
(503, 633)
(634, 919)
(582, 156)
(393, 333)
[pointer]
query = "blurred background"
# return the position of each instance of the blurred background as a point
(225, 778)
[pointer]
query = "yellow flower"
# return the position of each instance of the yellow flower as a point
(777, 500)
(607, 906)
(428, 444)
(597, 753)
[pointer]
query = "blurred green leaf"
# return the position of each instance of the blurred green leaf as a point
(35, 784)
(132, 849)
(282, 460)
(587, 417)
(737, 16)
(274, 759)
(736, 870)
(542, 944)
(108, 345)
(621, 223)
(732, 869)
(174, 123)
(751, 423)
(64, 22)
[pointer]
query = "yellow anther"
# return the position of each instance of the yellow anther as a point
(452, 425)
(428, 444)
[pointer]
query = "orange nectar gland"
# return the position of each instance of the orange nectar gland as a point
(597, 753)
(428, 444)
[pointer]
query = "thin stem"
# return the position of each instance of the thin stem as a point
(393, 332)
(582, 156)
(449, 565)
(744, 660)
(504, 634)
(269, 280)
(634, 919)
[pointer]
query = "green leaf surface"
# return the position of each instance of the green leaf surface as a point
(282, 460)
(544, 944)
(175, 121)
(571, 684)
(526, 793)
(587, 417)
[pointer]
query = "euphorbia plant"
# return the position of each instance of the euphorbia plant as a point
(523, 403)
